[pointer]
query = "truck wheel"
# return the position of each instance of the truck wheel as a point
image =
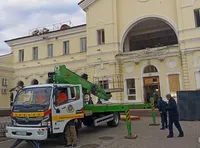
(115, 122)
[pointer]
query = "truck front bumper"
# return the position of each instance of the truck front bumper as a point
(26, 133)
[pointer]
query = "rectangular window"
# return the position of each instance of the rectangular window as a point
(21, 55)
(174, 83)
(83, 44)
(104, 84)
(101, 36)
(66, 47)
(35, 53)
(50, 50)
(197, 17)
(131, 91)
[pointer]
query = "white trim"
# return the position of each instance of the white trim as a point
(180, 80)
(189, 5)
(142, 18)
(7, 69)
(86, 3)
(101, 45)
(113, 52)
(197, 79)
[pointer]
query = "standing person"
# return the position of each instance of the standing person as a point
(71, 133)
(162, 106)
(173, 117)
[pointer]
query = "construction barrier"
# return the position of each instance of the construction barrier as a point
(153, 114)
(123, 117)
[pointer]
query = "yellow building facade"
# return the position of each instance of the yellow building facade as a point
(131, 48)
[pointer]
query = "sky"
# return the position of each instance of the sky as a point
(18, 17)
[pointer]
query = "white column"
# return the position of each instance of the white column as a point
(197, 74)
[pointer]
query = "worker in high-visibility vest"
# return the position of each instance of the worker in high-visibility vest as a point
(62, 97)
(41, 99)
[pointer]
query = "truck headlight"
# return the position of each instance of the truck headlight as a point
(45, 121)
(13, 122)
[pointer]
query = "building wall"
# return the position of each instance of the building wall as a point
(6, 74)
(117, 18)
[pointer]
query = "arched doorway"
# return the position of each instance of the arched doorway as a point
(34, 82)
(150, 32)
(151, 83)
(20, 84)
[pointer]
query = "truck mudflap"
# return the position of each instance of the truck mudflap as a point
(27, 133)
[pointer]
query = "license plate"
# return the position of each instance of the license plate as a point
(21, 133)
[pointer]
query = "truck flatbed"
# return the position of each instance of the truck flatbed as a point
(100, 108)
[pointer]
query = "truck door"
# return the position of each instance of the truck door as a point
(68, 105)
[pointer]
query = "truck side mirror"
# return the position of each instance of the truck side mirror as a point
(57, 110)
(11, 104)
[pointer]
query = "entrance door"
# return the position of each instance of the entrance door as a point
(151, 86)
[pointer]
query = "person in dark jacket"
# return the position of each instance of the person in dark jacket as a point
(173, 117)
(162, 106)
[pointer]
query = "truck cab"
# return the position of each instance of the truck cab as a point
(40, 111)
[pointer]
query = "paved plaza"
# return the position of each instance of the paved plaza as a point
(148, 137)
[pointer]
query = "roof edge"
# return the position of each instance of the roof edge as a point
(6, 41)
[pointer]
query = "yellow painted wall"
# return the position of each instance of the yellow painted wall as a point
(115, 17)
(7, 72)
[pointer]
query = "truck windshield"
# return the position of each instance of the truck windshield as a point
(34, 96)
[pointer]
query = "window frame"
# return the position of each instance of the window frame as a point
(21, 55)
(101, 36)
(82, 41)
(50, 54)
(197, 18)
(66, 46)
(35, 57)
(127, 89)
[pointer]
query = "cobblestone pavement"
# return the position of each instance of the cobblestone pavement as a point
(148, 137)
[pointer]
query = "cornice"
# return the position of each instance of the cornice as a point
(189, 4)
(86, 3)
(6, 69)
(49, 36)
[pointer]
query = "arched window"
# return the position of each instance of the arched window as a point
(20, 83)
(150, 69)
(34, 82)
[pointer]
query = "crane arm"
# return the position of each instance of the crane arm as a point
(63, 75)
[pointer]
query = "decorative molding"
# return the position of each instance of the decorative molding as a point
(152, 53)
(189, 5)
(111, 43)
(143, 1)
(103, 53)
(54, 64)
(86, 3)
(129, 68)
(7, 69)
(95, 26)
(171, 63)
